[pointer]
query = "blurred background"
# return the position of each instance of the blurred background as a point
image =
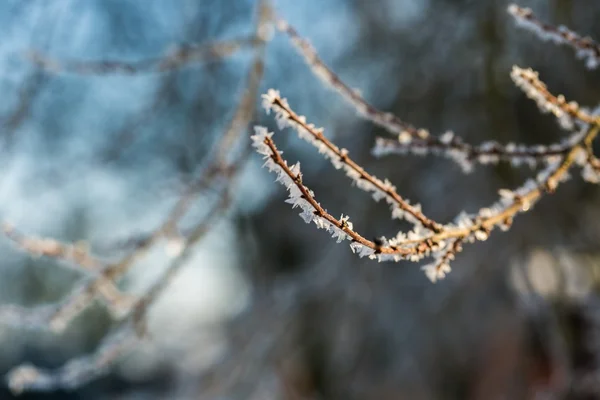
(268, 307)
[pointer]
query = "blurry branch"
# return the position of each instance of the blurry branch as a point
(75, 255)
(174, 59)
(57, 317)
(123, 338)
(428, 238)
(217, 166)
(585, 47)
(127, 134)
(440, 242)
(11, 122)
(75, 372)
(130, 331)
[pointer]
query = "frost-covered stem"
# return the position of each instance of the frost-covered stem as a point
(320, 212)
(566, 112)
(387, 120)
(74, 255)
(340, 158)
(594, 162)
(441, 266)
(486, 153)
(585, 47)
(417, 245)
(174, 59)
(244, 113)
(522, 202)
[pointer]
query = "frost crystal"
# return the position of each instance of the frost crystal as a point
(590, 174)
(435, 272)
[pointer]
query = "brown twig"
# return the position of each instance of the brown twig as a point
(341, 159)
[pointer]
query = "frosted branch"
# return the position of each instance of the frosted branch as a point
(174, 59)
(441, 266)
(488, 153)
(122, 340)
(384, 119)
(340, 159)
(567, 113)
(76, 256)
(311, 211)
(585, 48)
(418, 244)
(59, 315)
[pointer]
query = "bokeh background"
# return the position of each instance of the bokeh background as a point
(269, 307)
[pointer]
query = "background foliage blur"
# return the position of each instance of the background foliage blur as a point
(100, 159)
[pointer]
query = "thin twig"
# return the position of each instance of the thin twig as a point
(341, 159)
(585, 47)
(75, 256)
(174, 59)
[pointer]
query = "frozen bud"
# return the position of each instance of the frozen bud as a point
(481, 234)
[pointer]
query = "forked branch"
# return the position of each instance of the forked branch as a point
(429, 238)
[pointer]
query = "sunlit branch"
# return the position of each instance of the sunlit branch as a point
(286, 117)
